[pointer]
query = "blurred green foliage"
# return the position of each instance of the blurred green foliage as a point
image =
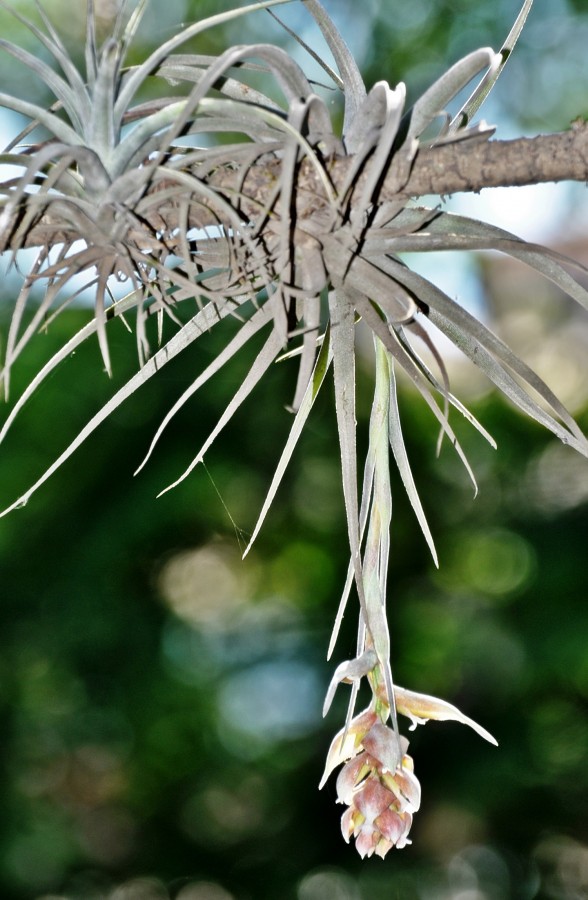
(160, 699)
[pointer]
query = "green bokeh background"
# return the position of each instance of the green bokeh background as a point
(160, 700)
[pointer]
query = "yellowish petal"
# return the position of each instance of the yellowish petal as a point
(347, 742)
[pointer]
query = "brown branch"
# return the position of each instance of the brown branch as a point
(483, 164)
(463, 166)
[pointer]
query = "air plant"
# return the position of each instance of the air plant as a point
(150, 193)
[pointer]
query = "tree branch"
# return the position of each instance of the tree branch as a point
(451, 168)
(462, 166)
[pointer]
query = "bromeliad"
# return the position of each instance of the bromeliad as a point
(145, 192)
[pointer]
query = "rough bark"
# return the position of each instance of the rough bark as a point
(466, 166)
(452, 168)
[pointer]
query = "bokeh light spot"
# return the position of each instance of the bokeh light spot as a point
(202, 586)
(497, 562)
(269, 702)
(332, 883)
(204, 890)
(559, 738)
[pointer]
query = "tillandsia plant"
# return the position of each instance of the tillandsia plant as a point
(236, 204)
